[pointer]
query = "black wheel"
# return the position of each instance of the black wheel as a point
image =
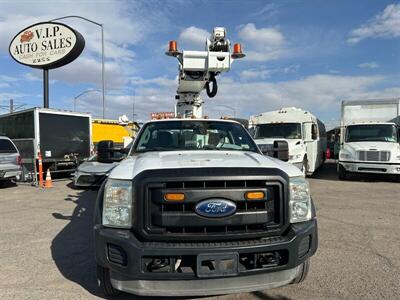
(305, 267)
(342, 173)
(104, 282)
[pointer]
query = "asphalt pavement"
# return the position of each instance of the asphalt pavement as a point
(46, 247)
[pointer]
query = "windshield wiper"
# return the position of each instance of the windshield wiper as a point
(210, 147)
(155, 149)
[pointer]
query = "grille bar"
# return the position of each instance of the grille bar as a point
(180, 219)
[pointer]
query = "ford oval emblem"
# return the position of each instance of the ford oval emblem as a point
(215, 208)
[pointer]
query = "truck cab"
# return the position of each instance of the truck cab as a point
(302, 131)
(196, 209)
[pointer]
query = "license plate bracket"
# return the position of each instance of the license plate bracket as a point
(217, 265)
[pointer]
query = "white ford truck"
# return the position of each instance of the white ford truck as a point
(370, 137)
(196, 209)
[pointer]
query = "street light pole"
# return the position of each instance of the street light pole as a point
(83, 93)
(102, 53)
(230, 107)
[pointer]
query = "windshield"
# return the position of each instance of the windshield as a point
(278, 130)
(194, 135)
(376, 133)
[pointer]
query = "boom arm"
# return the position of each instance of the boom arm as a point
(198, 71)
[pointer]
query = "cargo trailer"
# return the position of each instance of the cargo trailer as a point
(63, 138)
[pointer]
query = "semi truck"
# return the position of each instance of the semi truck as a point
(62, 138)
(370, 137)
(303, 132)
(196, 209)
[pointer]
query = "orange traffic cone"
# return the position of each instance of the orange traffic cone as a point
(49, 182)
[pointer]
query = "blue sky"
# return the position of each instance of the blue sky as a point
(310, 54)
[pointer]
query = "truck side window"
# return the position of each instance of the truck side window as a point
(314, 132)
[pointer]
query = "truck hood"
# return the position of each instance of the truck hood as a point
(136, 164)
(379, 146)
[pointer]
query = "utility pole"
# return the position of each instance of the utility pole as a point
(11, 106)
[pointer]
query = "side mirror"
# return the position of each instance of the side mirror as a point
(281, 150)
(105, 151)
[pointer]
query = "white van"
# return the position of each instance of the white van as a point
(304, 133)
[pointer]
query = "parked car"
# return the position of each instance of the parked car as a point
(10, 160)
(94, 171)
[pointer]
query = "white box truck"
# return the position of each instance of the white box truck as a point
(303, 132)
(370, 137)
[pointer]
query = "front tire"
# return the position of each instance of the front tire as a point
(305, 267)
(104, 282)
(342, 173)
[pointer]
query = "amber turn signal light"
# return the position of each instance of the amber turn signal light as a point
(174, 196)
(255, 195)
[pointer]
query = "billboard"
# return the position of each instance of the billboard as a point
(46, 45)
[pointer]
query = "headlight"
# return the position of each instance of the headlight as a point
(117, 204)
(294, 157)
(300, 200)
(345, 155)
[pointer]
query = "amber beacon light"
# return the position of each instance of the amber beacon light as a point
(237, 51)
(172, 49)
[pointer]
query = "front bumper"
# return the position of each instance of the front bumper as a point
(89, 179)
(206, 287)
(364, 167)
(134, 278)
(10, 173)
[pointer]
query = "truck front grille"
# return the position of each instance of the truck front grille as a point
(167, 221)
(373, 155)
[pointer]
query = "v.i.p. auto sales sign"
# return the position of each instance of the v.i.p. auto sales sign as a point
(47, 45)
